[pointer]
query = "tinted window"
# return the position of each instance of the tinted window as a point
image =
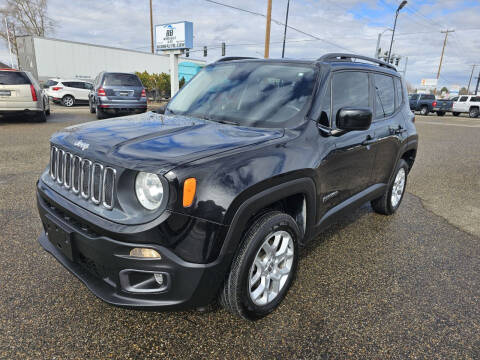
(248, 93)
(463, 98)
(398, 92)
(325, 106)
(385, 95)
(13, 78)
(475, 98)
(349, 89)
(51, 83)
(414, 97)
(428, 97)
(119, 79)
(88, 86)
(68, 83)
(455, 98)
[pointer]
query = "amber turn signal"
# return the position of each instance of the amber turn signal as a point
(189, 188)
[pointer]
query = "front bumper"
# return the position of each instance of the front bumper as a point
(103, 264)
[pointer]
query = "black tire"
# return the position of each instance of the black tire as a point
(474, 112)
(455, 113)
(47, 112)
(440, 113)
(424, 110)
(383, 205)
(41, 117)
(100, 114)
(68, 101)
(235, 296)
(92, 108)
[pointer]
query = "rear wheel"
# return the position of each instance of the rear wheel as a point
(40, 117)
(68, 101)
(390, 201)
(455, 113)
(263, 268)
(473, 113)
(440, 113)
(90, 105)
(424, 110)
(100, 114)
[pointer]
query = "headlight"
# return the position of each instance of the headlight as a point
(149, 190)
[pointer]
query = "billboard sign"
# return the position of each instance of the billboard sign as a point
(429, 82)
(174, 36)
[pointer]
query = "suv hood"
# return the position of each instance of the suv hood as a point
(156, 142)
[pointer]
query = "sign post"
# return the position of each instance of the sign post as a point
(173, 39)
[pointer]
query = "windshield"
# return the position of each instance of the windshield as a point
(247, 93)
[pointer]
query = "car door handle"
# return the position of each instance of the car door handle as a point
(369, 140)
(396, 131)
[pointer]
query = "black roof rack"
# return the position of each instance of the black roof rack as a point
(337, 57)
(231, 58)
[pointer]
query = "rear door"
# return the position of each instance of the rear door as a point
(388, 124)
(15, 89)
(82, 90)
(122, 86)
(461, 105)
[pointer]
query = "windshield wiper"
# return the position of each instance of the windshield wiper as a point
(226, 122)
(221, 121)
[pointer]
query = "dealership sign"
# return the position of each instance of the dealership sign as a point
(429, 82)
(174, 36)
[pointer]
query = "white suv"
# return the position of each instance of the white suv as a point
(467, 104)
(68, 92)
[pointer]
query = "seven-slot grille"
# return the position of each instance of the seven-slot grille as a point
(91, 180)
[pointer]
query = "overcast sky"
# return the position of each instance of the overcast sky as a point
(344, 25)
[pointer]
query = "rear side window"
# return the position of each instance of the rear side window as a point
(13, 78)
(349, 89)
(119, 79)
(385, 95)
(428, 97)
(398, 92)
(414, 97)
(463, 98)
(51, 83)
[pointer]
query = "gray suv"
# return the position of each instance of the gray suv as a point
(115, 93)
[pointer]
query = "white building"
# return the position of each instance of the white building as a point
(48, 58)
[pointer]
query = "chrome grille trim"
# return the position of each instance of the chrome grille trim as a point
(92, 181)
(96, 167)
(108, 202)
(85, 174)
(60, 167)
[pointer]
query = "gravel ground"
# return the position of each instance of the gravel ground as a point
(405, 286)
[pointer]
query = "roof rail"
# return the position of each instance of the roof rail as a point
(334, 57)
(231, 58)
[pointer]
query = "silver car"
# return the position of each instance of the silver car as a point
(20, 94)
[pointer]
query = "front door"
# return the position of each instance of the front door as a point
(348, 169)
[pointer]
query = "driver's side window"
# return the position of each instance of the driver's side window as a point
(349, 89)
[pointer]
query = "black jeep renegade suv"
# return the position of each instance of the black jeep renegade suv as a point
(212, 196)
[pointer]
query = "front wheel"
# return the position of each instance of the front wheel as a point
(390, 201)
(92, 108)
(264, 267)
(440, 113)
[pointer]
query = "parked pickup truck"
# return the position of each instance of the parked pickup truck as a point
(467, 104)
(426, 103)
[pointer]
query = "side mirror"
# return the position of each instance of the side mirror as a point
(350, 119)
(160, 109)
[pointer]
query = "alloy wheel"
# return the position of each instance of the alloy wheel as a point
(398, 187)
(271, 268)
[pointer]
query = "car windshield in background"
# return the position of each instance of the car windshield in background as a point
(13, 78)
(118, 79)
(247, 93)
(414, 97)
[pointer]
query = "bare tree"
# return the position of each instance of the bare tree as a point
(24, 17)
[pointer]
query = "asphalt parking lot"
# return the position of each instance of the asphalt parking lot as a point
(405, 286)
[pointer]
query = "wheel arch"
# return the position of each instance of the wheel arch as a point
(297, 197)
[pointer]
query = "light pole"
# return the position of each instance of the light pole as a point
(402, 4)
(285, 31)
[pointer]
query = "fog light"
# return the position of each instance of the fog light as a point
(145, 253)
(158, 278)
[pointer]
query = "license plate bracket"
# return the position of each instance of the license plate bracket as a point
(60, 237)
(124, 93)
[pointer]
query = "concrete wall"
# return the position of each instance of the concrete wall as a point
(47, 58)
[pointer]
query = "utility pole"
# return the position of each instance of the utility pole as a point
(151, 27)
(9, 46)
(267, 29)
(478, 83)
(470, 80)
(285, 31)
(441, 57)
